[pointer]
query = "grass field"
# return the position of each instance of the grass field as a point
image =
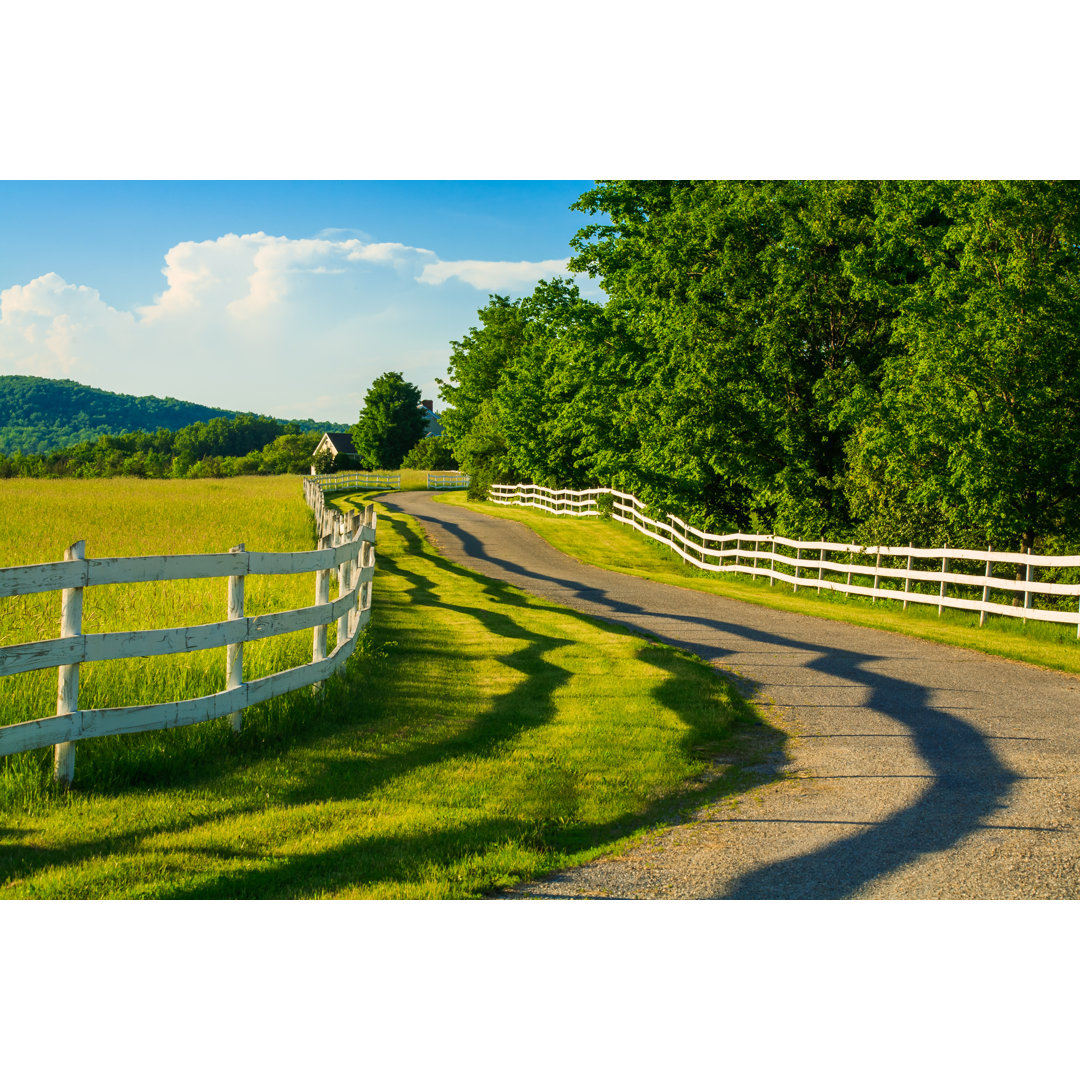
(479, 736)
(126, 516)
(613, 546)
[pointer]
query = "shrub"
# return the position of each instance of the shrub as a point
(431, 454)
(324, 462)
(479, 487)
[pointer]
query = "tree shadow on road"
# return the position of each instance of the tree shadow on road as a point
(969, 783)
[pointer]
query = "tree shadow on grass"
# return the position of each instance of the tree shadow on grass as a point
(969, 783)
(497, 850)
(528, 705)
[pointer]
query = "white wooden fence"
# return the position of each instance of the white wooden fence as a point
(347, 544)
(350, 481)
(447, 481)
(905, 574)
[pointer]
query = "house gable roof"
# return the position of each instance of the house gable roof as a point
(340, 441)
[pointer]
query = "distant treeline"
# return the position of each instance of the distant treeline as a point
(878, 361)
(219, 447)
(39, 415)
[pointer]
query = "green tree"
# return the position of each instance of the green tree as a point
(754, 354)
(324, 462)
(974, 436)
(390, 422)
(431, 454)
(477, 363)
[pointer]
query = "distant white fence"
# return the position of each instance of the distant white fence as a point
(347, 544)
(901, 574)
(447, 480)
(350, 481)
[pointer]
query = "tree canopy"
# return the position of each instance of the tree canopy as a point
(391, 422)
(220, 447)
(862, 360)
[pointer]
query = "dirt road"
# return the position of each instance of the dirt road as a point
(913, 770)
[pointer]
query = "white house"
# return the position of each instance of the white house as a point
(337, 442)
(340, 442)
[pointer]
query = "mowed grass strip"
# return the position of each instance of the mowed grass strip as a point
(611, 545)
(480, 737)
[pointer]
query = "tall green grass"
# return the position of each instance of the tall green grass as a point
(127, 517)
(479, 737)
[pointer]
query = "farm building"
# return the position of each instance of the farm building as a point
(337, 442)
(340, 442)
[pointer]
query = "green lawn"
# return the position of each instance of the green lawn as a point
(480, 737)
(613, 546)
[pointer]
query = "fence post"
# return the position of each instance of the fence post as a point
(369, 554)
(798, 557)
(986, 589)
(343, 587)
(907, 580)
(322, 596)
(944, 570)
(1027, 594)
(772, 571)
(67, 689)
(356, 523)
(753, 573)
(821, 568)
(877, 577)
(234, 654)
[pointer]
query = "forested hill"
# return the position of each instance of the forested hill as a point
(41, 415)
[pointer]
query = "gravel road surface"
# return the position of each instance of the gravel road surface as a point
(911, 769)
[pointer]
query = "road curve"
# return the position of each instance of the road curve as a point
(914, 770)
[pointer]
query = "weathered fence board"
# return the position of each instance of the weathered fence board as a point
(352, 555)
(344, 481)
(709, 551)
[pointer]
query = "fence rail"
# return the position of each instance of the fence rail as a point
(346, 545)
(343, 481)
(892, 575)
(447, 480)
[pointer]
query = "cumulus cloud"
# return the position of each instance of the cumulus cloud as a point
(47, 325)
(261, 322)
(250, 274)
(513, 276)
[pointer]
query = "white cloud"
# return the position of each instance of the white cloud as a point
(247, 275)
(262, 322)
(514, 276)
(47, 325)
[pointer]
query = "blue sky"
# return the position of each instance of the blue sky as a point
(290, 297)
(280, 297)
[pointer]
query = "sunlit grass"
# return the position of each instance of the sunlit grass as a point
(480, 737)
(125, 517)
(613, 546)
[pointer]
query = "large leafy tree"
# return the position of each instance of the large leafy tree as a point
(531, 390)
(554, 400)
(974, 438)
(391, 422)
(477, 363)
(753, 352)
